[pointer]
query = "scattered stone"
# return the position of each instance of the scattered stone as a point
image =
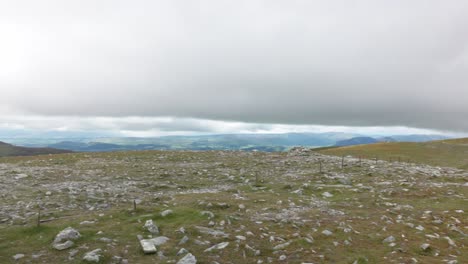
(65, 245)
(63, 240)
(87, 223)
(282, 246)
(182, 251)
(166, 213)
(207, 213)
(425, 247)
(184, 240)
(243, 238)
(450, 241)
(389, 239)
(151, 227)
(327, 195)
(327, 232)
(217, 247)
(93, 256)
(213, 232)
(158, 241)
(148, 246)
(188, 259)
(18, 257)
(105, 240)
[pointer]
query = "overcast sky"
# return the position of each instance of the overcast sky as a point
(234, 66)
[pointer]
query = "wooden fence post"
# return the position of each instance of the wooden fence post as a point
(39, 216)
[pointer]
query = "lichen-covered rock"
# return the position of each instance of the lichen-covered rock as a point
(151, 227)
(65, 238)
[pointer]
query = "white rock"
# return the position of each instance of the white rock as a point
(64, 245)
(327, 195)
(182, 251)
(282, 246)
(282, 258)
(18, 256)
(166, 213)
(63, 240)
(450, 241)
(207, 213)
(184, 240)
(188, 259)
(158, 241)
(217, 247)
(93, 256)
(327, 232)
(241, 237)
(425, 247)
(87, 223)
(151, 227)
(209, 231)
(148, 246)
(389, 239)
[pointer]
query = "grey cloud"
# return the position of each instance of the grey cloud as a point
(355, 63)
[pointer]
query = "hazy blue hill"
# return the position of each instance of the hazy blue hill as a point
(264, 142)
(103, 147)
(418, 138)
(7, 150)
(356, 141)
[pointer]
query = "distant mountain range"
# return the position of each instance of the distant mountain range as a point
(248, 142)
(399, 138)
(11, 150)
(356, 141)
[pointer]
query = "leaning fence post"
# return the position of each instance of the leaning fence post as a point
(39, 216)
(134, 205)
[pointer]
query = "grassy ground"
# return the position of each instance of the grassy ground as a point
(282, 195)
(449, 153)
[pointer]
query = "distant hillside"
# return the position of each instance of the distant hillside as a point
(11, 150)
(248, 142)
(450, 152)
(104, 147)
(356, 141)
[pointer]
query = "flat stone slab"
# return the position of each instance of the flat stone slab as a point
(148, 246)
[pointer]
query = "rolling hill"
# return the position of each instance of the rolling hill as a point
(7, 150)
(449, 152)
(356, 141)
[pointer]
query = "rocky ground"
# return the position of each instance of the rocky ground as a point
(229, 207)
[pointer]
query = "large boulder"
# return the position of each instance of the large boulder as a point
(65, 238)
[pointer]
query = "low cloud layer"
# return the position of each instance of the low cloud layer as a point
(346, 63)
(34, 126)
